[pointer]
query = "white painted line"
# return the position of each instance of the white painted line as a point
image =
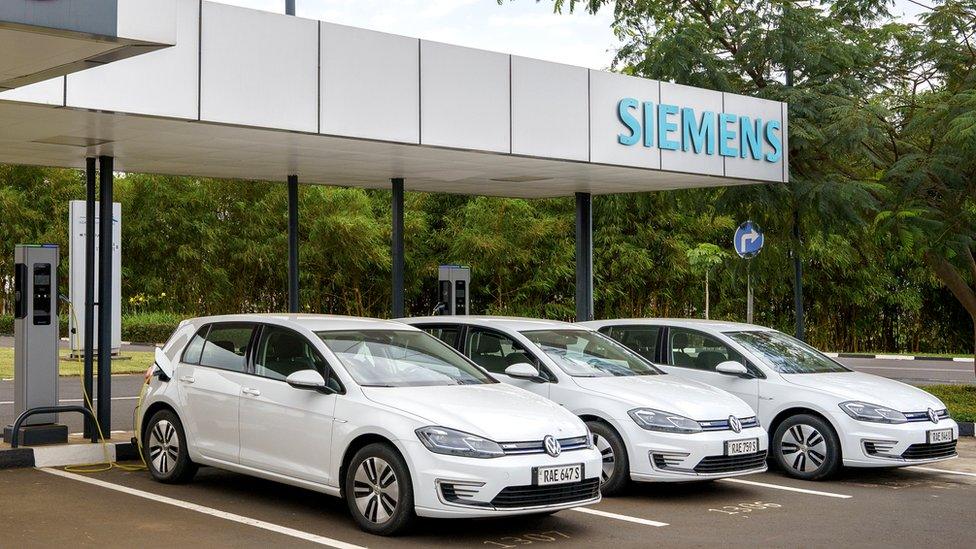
(63, 400)
(832, 355)
(615, 516)
(946, 471)
(299, 534)
(960, 359)
(787, 488)
(895, 357)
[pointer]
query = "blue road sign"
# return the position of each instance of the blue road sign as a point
(748, 240)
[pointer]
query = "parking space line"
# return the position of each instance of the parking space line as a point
(935, 470)
(615, 516)
(787, 488)
(299, 534)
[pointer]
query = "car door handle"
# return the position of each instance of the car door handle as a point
(250, 391)
(187, 379)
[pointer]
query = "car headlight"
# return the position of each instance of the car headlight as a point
(656, 420)
(589, 436)
(863, 411)
(442, 440)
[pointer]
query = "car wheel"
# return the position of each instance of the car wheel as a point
(378, 490)
(164, 449)
(615, 475)
(806, 447)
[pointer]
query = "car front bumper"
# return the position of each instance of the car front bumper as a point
(450, 486)
(867, 444)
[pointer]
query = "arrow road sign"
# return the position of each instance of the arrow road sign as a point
(748, 240)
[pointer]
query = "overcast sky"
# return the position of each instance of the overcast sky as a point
(522, 27)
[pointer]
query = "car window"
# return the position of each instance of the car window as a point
(582, 353)
(785, 354)
(698, 351)
(640, 339)
(447, 334)
(226, 346)
(191, 355)
(282, 352)
(494, 351)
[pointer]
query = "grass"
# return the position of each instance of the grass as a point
(960, 399)
(138, 363)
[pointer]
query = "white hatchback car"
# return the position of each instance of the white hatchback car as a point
(819, 414)
(374, 411)
(648, 426)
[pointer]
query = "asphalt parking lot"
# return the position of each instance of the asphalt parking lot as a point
(900, 507)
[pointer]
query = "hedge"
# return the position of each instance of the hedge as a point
(136, 327)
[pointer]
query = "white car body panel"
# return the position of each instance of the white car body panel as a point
(820, 392)
(610, 399)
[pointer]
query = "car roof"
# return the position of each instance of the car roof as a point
(698, 323)
(515, 323)
(313, 322)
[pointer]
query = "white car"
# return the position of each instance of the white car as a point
(819, 414)
(648, 426)
(374, 411)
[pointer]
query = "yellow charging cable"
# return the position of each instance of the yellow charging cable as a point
(109, 463)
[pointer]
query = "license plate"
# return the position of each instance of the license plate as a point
(739, 447)
(940, 435)
(560, 474)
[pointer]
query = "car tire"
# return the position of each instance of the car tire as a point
(165, 451)
(615, 476)
(806, 447)
(380, 504)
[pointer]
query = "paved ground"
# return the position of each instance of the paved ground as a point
(915, 371)
(900, 508)
(8, 341)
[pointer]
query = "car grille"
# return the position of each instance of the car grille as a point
(557, 494)
(930, 451)
(924, 416)
(730, 464)
(538, 447)
(723, 424)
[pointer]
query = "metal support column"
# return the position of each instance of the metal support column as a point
(89, 311)
(584, 257)
(397, 248)
(293, 305)
(289, 7)
(105, 229)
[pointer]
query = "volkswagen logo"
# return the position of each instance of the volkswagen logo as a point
(933, 417)
(553, 448)
(735, 424)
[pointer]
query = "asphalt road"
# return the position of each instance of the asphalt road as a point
(914, 507)
(919, 372)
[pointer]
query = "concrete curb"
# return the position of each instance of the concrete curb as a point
(61, 455)
(900, 357)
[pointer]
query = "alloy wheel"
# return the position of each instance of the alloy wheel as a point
(606, 451)
(804, 448)
(164, 446)
(376, 490)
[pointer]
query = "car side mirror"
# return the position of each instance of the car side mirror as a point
(309, 380)
(732, 368)
(524, 370)
(164, 364)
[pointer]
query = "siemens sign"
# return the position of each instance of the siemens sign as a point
(672, 128)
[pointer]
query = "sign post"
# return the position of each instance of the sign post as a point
(748, 242)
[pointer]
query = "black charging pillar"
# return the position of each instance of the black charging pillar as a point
(89, 343)
(584, 257)
(105, 229)
(397, 247)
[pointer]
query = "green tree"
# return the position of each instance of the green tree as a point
(703, 259)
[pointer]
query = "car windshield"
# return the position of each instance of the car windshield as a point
(785, 354)
(582, 353)
(400, 358)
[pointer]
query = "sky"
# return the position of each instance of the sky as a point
(521, 27)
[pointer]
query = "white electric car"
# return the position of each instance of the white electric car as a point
(648, 426)
(819, 414)
(374, 411)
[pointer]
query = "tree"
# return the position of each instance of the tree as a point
(703, 258)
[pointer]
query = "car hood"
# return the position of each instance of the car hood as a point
(500, 412)
(868, 388)
(667, 393)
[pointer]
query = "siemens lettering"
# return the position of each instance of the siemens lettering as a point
(683, 129)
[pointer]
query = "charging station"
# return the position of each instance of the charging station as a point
(453, 282)
(36, 343)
